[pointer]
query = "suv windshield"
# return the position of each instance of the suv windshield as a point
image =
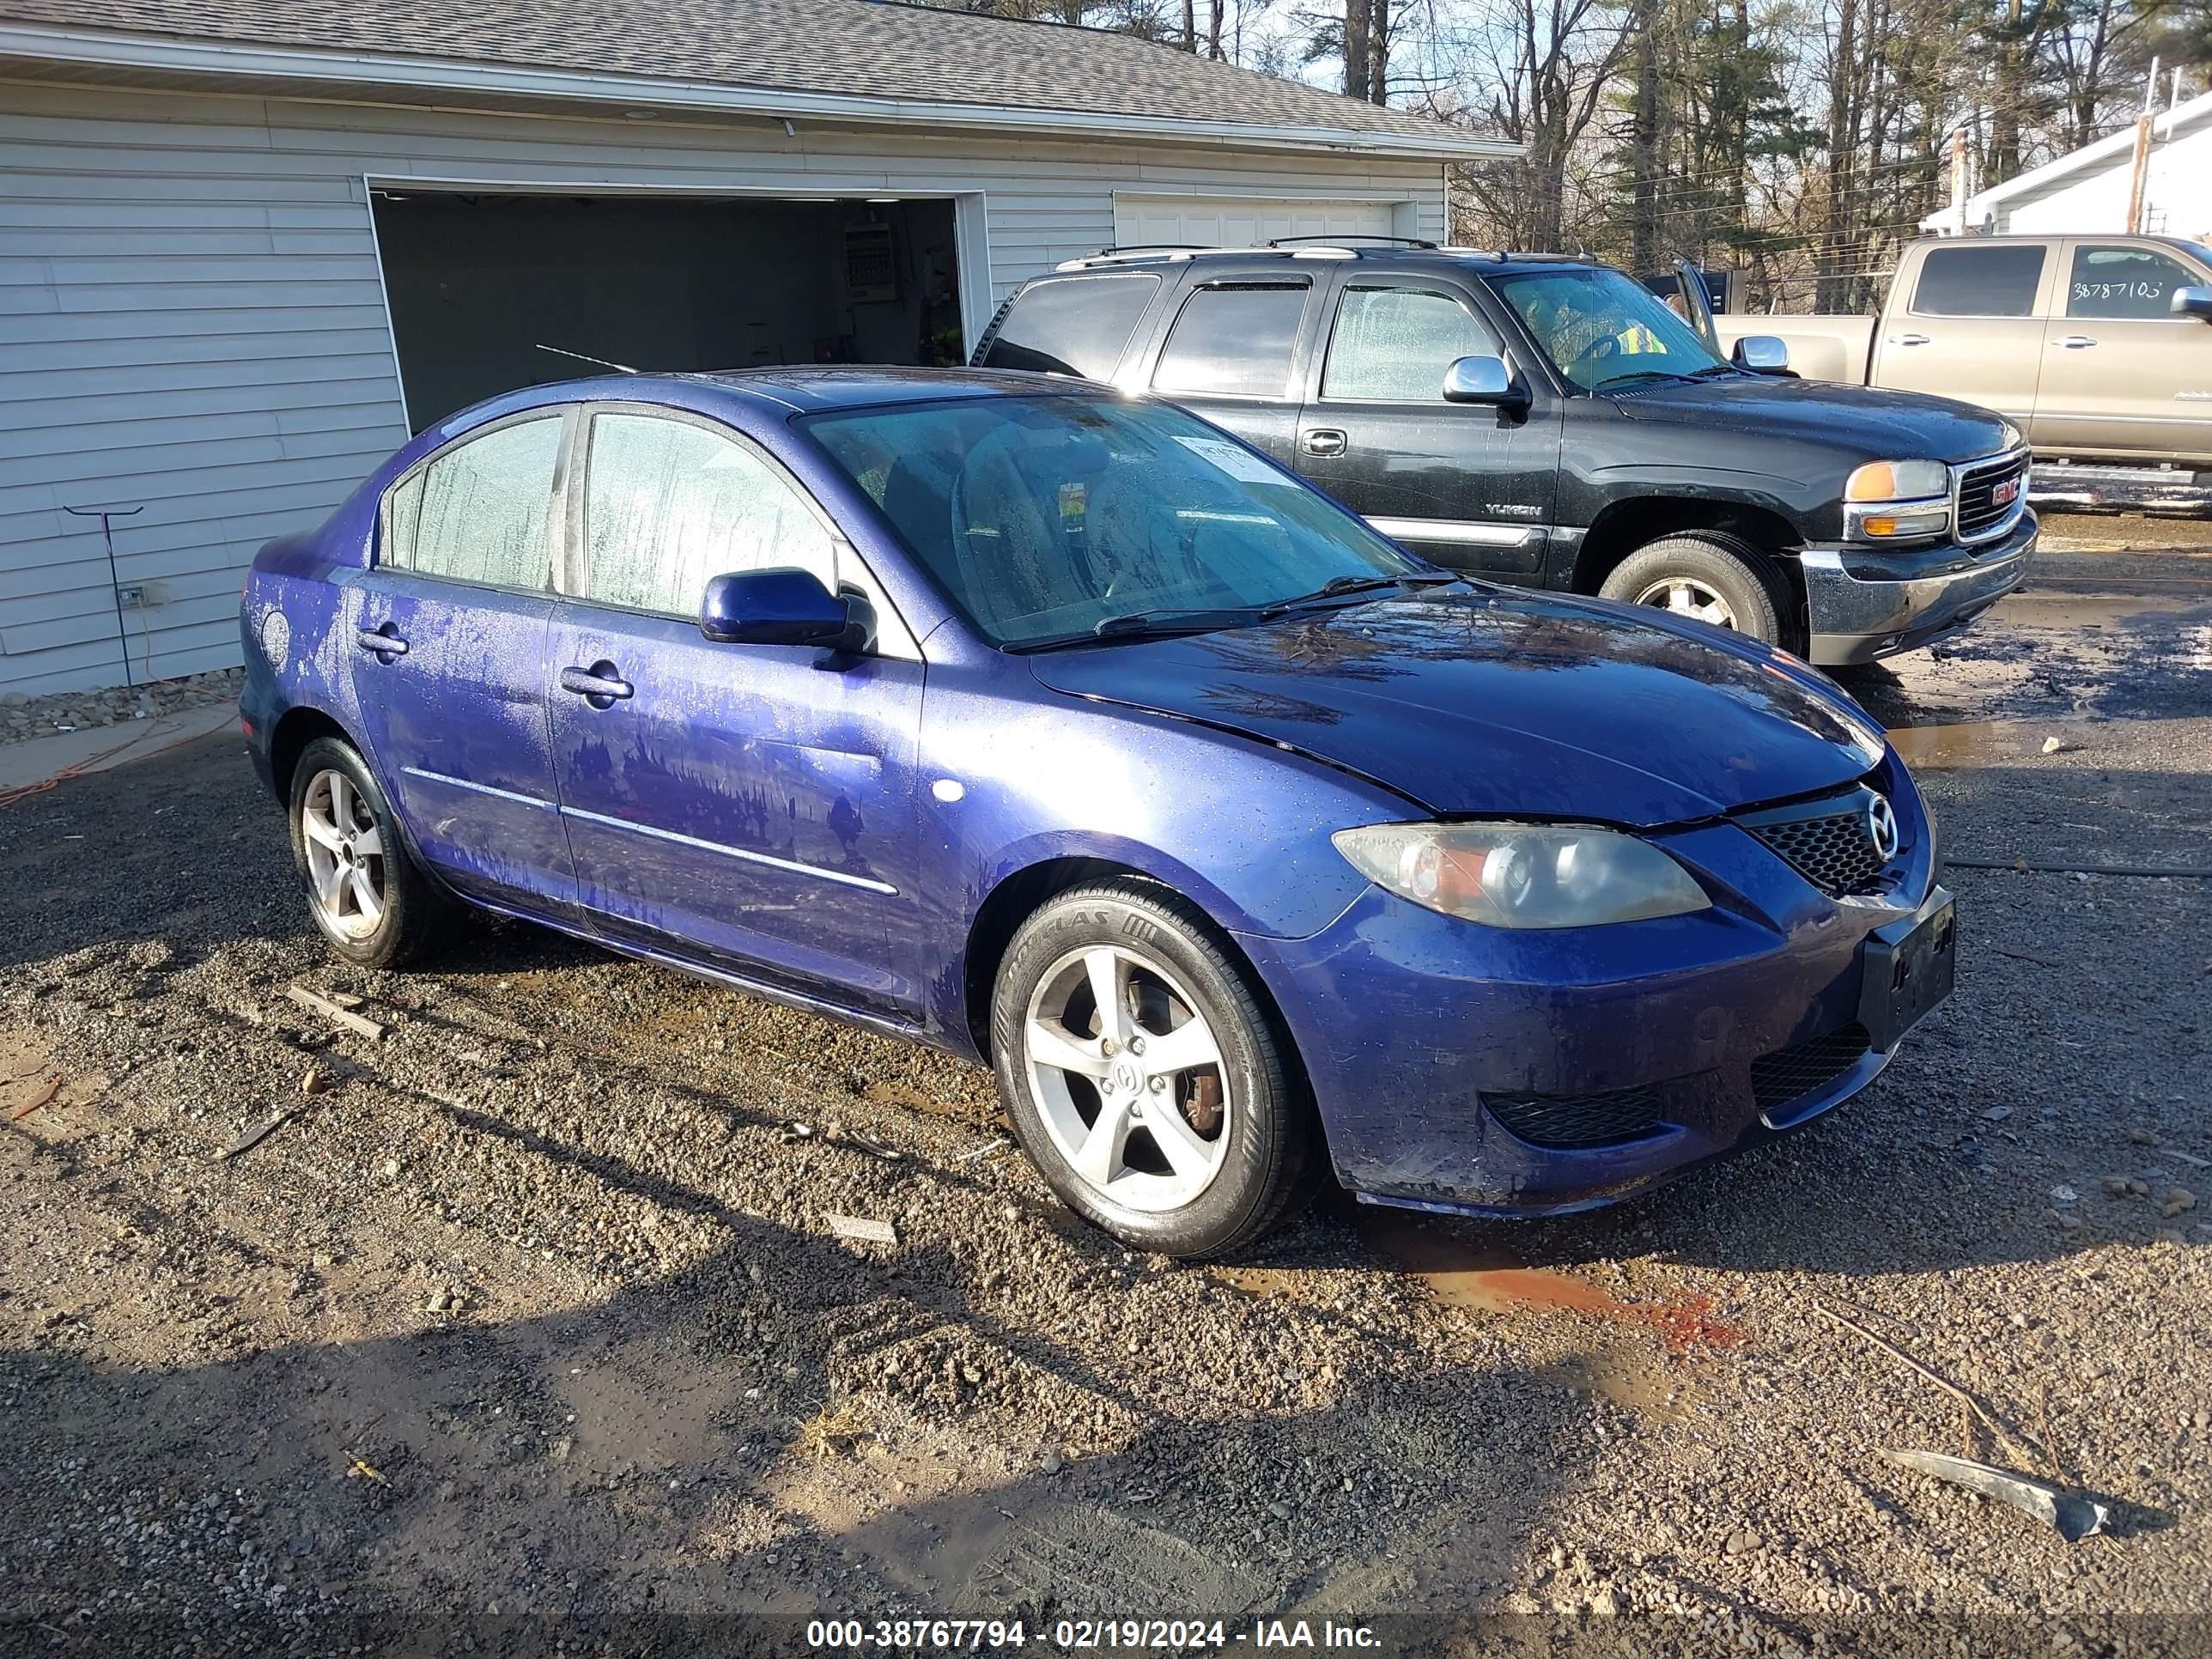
(1045, 519)
(1603, 329)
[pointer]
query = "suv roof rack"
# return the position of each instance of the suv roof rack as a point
(1132, 252)
(1355, 241)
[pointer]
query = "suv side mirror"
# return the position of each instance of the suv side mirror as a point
(1483, 380)
(784, 607)
(2193, 301)
(1762, 354)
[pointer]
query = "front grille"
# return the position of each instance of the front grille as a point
(1788, 1074)
(1829, 842)
(1605, 1120)
(1980, 514)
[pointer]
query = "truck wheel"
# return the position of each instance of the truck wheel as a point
(1706, 574)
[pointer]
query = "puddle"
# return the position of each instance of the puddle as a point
(1978, 743)
(1261, 1283)
(1458, 1275)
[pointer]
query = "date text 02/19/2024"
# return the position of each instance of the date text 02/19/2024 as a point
(1084, 1635)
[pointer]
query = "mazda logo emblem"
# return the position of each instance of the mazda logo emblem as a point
(1881, 826)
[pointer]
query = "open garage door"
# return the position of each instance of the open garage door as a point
(477, 283)
(1239, 221)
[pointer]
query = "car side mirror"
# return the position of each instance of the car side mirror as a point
(784, 607)
(1483, 380)
(2193, 301)
(1762, 354)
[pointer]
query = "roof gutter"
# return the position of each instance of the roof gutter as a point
(113, 50)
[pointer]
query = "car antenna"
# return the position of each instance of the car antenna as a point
(559, 351)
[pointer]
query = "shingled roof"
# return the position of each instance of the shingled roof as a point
(863, 50)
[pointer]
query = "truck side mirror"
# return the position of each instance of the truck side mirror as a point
(1483, 380)
(1762, 354)
(2193, 301)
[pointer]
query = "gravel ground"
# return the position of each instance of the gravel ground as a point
(23, 717)
(528, 1323)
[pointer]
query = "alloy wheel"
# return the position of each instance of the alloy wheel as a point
(346, 868)
(1128, 1078)
(1686, 595)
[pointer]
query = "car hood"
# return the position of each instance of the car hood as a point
(1497, 703)
(1866, 423)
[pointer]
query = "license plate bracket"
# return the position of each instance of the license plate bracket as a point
(1909, 967)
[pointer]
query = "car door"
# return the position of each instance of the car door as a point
(2122, 374)
(1972, 327)
(748, 806)
(1466, 486)
(1234, 352)
(448, 640)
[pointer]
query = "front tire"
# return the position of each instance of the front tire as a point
(365, 892)
(1143, 1076)
(1707, 575)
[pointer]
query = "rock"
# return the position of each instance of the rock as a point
(2051, 745)
(1745, 1542)
(441, 1300)
(1053, 1463)
(1604, 1603)
(1996, 1114)
(2064, 1194)
(391, 1168)
(1279, 1509)
(2179, 1202)
(2140, 1136)
(2114, 1186)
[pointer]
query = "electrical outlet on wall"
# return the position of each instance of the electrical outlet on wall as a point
(141, 596)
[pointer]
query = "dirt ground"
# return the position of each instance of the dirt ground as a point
(529, 1325)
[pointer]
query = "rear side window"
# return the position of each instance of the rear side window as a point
(669, 505)
(1071, 324)
(2124, 281)
(1978, 281)
(481, 511)
(1394, 344)
(1233, 340)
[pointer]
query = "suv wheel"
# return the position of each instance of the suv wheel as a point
(376, 908)
(1705, 574)
(1142, 1076)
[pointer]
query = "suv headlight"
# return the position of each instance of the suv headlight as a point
(1523, 875)
(1897, 500)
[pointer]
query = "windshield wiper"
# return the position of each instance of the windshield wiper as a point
(1162, 624)
(1640, 374)
(1336, 586)
(1718, 368)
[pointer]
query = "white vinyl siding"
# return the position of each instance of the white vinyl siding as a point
(192, 320)
(1217, 221)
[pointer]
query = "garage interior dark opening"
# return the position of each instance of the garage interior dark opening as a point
(477, 283)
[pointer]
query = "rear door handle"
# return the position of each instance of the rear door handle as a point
(600, 684)
(1321, 441)
(383, 641)
(2075, 342)
(1910, 339)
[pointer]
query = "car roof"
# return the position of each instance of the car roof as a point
(861, 384)
(1381, 253)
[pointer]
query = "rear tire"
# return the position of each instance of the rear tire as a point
(367, 895)
(1707, 575)
(1175, 1125)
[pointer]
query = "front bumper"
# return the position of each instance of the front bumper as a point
(1866, 602)
(1737, 1023)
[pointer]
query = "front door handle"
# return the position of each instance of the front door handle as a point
(383, 641)
(601, 685)
(1321, 441)
(1910, 339)
(2075, 342)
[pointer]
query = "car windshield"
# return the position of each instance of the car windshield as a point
(1048, 518)
(1603, 330)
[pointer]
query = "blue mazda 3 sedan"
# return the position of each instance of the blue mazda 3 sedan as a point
(1061, 730)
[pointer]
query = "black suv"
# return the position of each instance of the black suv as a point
(1552, 422)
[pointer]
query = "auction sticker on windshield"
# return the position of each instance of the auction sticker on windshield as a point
(1240, 464)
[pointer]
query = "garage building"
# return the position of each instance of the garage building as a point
(247, 248)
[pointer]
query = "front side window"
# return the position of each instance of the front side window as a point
(1233, 340)
(1979, 282)
(1602, 330)
(2124, 281)
(1042, 516)
(481, 511)
(1071, 324)
(669, 505)
(1394, 344)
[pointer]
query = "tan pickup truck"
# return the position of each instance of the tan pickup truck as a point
(2100, 348)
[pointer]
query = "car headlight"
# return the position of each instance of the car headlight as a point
(1897, 500)
(1523, 875)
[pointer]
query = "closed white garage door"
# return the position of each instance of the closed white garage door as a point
(1240, 222)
